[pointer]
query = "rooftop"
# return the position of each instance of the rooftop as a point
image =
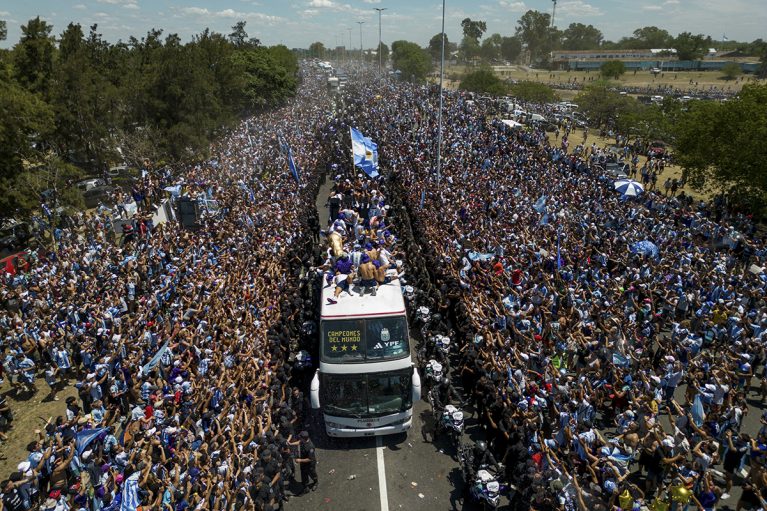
(387, 302)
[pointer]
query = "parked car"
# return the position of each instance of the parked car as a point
(657, 150)
(14, 263)
(99, 195)
(15, 236)
(89, 184)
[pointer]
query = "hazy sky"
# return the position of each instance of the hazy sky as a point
(297, 23)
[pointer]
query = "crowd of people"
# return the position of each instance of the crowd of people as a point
(180, 342)
(608, 344)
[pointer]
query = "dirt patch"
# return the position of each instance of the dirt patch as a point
(29, 413)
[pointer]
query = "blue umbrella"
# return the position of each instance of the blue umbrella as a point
(628, 187)
(645, 247)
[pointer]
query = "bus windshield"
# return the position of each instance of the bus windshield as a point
(362, 340)
(367, 395)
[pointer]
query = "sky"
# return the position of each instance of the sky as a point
(298, 23)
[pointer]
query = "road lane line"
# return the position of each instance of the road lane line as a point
(381, 475)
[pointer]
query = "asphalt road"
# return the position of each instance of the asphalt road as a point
(416, 474)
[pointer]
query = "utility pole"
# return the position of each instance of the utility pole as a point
(360, 23)
(441, 77)
(553, 13)
(380, 10)
(350, 45)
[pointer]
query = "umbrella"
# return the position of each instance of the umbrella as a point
(629, 187)
(645, 247)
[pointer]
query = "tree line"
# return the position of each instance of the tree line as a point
(74, 103)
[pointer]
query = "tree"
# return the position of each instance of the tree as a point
(473, 29)
(239, 37)
(581, 37)
(491, 48)
(435, 46)
(612, 69)
(384, 51)
(731, 70)
(691, 47)
(317, 50)
(33, 56)
(721, 144)
(647, 37)
(470, 48)
(511, 47)
(3, 30)
(483, 81)
(82, 98)
(411, 60)
(534, 30)
(27, 121)
(603, 105)
(533, 91)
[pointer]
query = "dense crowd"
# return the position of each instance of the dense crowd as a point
(608, 344)
(180, 342)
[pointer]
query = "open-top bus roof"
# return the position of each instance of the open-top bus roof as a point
(387, 302)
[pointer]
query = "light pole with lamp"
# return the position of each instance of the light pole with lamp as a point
(380, 10)
(360, 23)
(439, 114)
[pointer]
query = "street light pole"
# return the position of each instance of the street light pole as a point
(439, 115)
(360, 23)
(380, 10)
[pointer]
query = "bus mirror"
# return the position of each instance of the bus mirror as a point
(416, 386)
(314, 391)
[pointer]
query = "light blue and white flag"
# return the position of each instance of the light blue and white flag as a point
(155, 359)
(292, 166)
(365, 153)
(130, 499)
(86, 437)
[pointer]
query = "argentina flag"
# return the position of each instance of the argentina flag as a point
(365, 153)
(130, 498)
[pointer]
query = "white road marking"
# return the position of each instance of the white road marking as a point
(381, 475)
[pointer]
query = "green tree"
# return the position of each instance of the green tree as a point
(317, 50)
(470, 48)
(533, 91)
(239, 37)
(435, 46)
(511, 47)
(491, 48)
(384, 50)
(603, 105)
(731, 70)
(3, 30)
(612, 69)
(581, 37)
(646, 38)
(33, 56)
(411, 60)
(721, 145)
(483, 81)
(473, 29)
(691, 47)
(27, 122)
(534, 30)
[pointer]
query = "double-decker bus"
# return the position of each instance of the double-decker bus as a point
(366, 383)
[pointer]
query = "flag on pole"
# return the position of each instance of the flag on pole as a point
(365, 153)
(292, 166)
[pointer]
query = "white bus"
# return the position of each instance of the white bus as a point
(366, 383)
